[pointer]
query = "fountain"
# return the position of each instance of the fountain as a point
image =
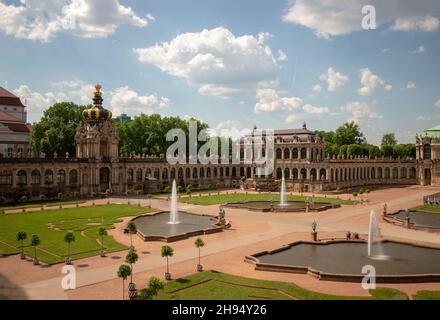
(283, 202)
(174, 219)
(375, 239)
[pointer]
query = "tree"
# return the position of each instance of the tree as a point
(167, 252)
(69, 237)
(124, 272)
(55, 132)
(387, 151)
(35, 242)
(154, 285)
(355, 150)
(389, 139)
(131, 258)
(348, 133)
(405, 150)
(131, 227)
(199, 244)
(21, 236)
(102, 232)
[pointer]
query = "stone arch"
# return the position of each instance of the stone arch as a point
(286, 153)
(373, 173)
(380, 173)
(194, 174)
(387, 173)
(295, 153)
(130, 175)
(303, 153)
(286, 173)
(61, 176)
(248, 172)
(234, 171)
(395, 173)
(279, 154)
(48, 177)
(412, 173)
(403, 173)
(323, 174)
(22, 177)
(188, 173)
(295, 173)
(303, 174)
(139, 174)
(35, 176)
(313, 174)
(279, 173)
(73, 176)
(165, 174)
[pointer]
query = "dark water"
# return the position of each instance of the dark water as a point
(157, 225)
(262, 205)
(349, 258)
(421, 218)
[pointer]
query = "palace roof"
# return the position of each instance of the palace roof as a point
(9, 99)
(434, 132)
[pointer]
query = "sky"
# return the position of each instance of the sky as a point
(232, 64)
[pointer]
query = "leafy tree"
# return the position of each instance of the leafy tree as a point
(131, 227)
(348, 133)
(131, 258)
(154, 285)
(124, 272)
(102, 232)
(21, 236)
(405, 150)
(387, 151)
(35, 242)
(373, 151)
(343, 150)
(389, 139)
(55, 132)
(355, 150)
(199, 244)
(166, 252)
(69, 237)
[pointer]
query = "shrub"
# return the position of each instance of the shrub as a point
(211, 186)
(179, 189)
(108, 191)
(189, 188)
(60, 196)
(167, 189)
(23, 199)
(93, 194)
(76, 195)
(42, 197)
(2, 199)
(355, 194)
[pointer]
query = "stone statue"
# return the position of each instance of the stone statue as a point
(222, 213)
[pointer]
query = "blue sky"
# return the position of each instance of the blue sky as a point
(232, 64)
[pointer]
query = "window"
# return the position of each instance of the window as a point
(130, 175)
(287, 153)
(303, 153)
(295, 153)
(61, 177)
(22, 177)
(48, 177)
(427, 152)
(73, 177)
(35, 177)
(279, 153)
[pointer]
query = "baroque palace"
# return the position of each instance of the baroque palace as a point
(299, 156)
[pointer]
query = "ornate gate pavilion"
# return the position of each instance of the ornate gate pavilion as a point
(299, 156)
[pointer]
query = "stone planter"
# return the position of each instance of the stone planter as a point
(199, 268)
(22, 256)
(68, 261)
(35, 262)
(167, 276)
(102, 253)
(132, 292)
(314, 236)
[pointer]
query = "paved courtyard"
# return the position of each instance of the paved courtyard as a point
(251, 232)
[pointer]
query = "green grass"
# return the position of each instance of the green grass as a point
(212, 285)
(241, 197)
(433, 209)
(52, 225)
(48, 204)
(427, 295)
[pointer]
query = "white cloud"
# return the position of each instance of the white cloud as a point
(359, 111)
(282, 56)
(317, 88)
(420, 49)
(334, 79)
(329, 18)
(41, 20)
(315, 110)
(216, 61)
(410, 85)
(291, 118)
(426, 23)
(385, 50)
(371, 83)
(437, 104)
(125, 100)
(269, 100)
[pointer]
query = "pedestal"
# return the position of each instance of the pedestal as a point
(314, 236)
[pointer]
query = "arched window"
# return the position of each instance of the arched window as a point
(287, 153)
(279, 173)
(323, 174)
(35, 177)
(248, 173)
(165, 174)
(303, 153)
(395, 173)
(403, 173)
(295, 173)
(387, 173)
(139, 174)
(412, 173)
(295, 153)
(22, 177)
(227, 171)
(188, 173)
(379, 173)
(221, 172)
(234, 171)
(73, 177)
(61, 176)
(313, 174)
(215, 171)
(373, 173)
(202, 173)
(242, 172)
(130, 175)
(303, 174)
(48, 177)
(286, 173)
(279, 153)
(427, 152)
(208, 173)
(195, 173)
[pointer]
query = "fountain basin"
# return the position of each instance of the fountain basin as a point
(342, 260)
(291, 206)
(420, 220)
(156, 227)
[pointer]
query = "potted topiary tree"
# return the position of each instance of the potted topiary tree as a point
(124, 272)
(131, 258)
(167, 252)
(102, 232)
(69, 237)
(21, 236)
(199, 244)
(131, 227)
(35, 242)
(154, 285)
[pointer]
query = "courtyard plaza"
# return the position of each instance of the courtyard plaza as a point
(251, 232)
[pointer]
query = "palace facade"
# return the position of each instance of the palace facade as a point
(299, 156)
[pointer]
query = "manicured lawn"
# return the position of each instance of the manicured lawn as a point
(52, 225)
(434, 209)
(213, 285)
(241, 197)
(49, 204)
(427, 295)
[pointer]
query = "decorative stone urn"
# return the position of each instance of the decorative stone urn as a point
(132, 292)
(167, 276)
(199, 268)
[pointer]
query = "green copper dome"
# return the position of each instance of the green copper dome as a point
(434, 132)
